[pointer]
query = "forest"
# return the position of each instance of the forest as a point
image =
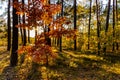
(59, 39)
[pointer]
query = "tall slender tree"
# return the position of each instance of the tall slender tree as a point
(98, 26)
(14, 55)
(89, 24)
(117, 45)
(107, 24)
(9, 28)
(21, 30)
(75, 27)
(113, 24)
(61, 36)
(28, 29)
(24, 30)
(48, 38)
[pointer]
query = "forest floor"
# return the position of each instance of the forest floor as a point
(70, 65)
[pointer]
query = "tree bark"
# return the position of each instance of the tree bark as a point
(21, 30)
(98, 26)
(89, 25)
(24, 30)
(113, 25)
(107, 24)
(28, 36)
(61, 35)
(14, 55)
(117, 45)
(9, 28)
(75, 27)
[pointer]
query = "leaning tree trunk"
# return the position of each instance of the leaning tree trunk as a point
(14, 55)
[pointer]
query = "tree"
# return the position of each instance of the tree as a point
(62, 16)
(117, 44)
(98, 26)
(107, 24)
(113, 24)
(89, 24)
(48, 39)
(21, 30)
(14, 55)
(28, 29)
(24, 30)
(41, 14)
(75, 27)
(9, 28)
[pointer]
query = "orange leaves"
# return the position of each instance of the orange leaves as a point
(40, 13)
(38, 52)
(44, 2)
(46, 18)
(20, 13)
(24, 49)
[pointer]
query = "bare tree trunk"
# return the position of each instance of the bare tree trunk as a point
(28, 29)
(61, 36)
(98, 27)
(113, 25)
(89, 25)
(28, 36)
(24, 30)
(14, 55)
(107, 24)
(75, 27)
(9, 28)
(21, 30)
(117, 45)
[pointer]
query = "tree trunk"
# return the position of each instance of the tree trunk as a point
(89, 24)
(98, 26)
(28, 29)
(28, 36)
(24, 30)
(9, 28)
(75, 27)
(107, 24)
(117, 45)
(14, 55)
(113, 25)
(61, 35)
(48, 39)
(21, 30)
